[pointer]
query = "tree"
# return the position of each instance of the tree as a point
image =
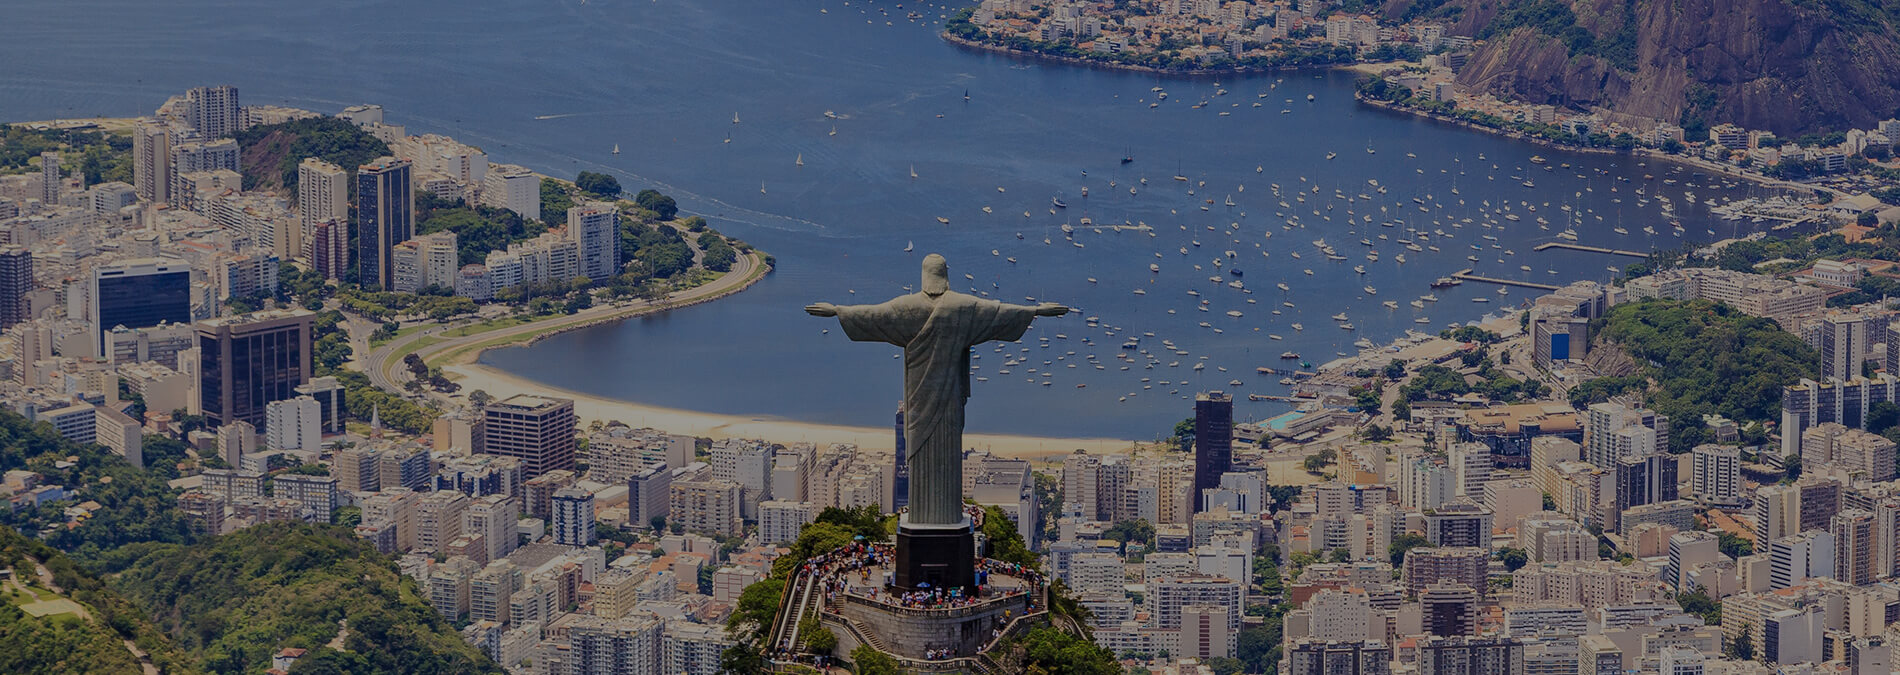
(1402, 543)
(757, 605)
(598, 184)
(742, 658)
(1339, 555)
(661, 205)
(1882, 416)
(1699, 603)
(1549, 503)
(1183, 435)
(1137, 531)
(1733, 546)
(480, 398)
(579, 301)
(1513, 558)
(1376, 433)
(1742, 648)
(873, 662)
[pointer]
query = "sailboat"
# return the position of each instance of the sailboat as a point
(800, 161)
(761, 187)
(616, 148)
(735, 118)
(1127, 157)
(913, 172)
(966, 95)
(908, 247)
(834, 130)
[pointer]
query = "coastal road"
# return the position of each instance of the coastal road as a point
(385, 370)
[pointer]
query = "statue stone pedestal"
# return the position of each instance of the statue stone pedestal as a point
(943, 556)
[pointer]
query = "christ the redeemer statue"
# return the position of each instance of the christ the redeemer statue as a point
(936, 327)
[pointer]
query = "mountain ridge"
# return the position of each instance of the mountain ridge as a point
(1791, 67)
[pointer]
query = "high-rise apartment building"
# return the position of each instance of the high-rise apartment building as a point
(214, 112)
(1603, 445)
(595, 226)
(1327, 657)
(385, 216)
(152, 160)
(357, 470)
(1449, 610)
(537, 430)
(190, 157)
(514, 188)
(427, 260)
(1716, 477)
(327, 247)
(573, 511)
(293, 424)
(1213, 441)
(323, 191)
(709, 506)
(1854, 541)
(247, 362)
(16, 280)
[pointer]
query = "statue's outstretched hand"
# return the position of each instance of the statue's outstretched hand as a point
(821, 309)
(1051, 309)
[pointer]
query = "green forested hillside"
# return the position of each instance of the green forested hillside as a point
(76, 624)
(1697, 358)
(234, 600)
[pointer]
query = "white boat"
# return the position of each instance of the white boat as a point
(616, 148)
(797, 162)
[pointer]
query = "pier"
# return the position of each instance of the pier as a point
(1591, 249)
(1466, 275)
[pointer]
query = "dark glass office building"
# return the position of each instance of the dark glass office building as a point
(385, 217)
(1213, 442)
(248, 362)
(139, 294)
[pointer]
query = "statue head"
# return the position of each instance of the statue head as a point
(936, 275)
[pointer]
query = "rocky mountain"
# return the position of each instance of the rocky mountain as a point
(1788, 66)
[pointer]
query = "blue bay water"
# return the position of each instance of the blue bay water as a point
(555, 84)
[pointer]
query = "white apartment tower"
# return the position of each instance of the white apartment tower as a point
(595, 227)
(1717, 474)
(323, 191)
(293, 424)
(214, 112)
(152, 160)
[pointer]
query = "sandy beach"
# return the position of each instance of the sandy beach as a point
(502, 385)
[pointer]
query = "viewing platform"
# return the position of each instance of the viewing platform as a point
(849, 593)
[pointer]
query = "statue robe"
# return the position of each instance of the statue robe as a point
(936, 334)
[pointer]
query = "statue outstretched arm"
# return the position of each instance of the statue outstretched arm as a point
(1051, 309)
(821, 309)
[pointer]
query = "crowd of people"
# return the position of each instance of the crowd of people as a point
(850, 570)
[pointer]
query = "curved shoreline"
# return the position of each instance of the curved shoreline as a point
(1646, 153)
(717, 425)
(463, 360)
(1110, 65)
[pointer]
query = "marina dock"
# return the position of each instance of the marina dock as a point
(1466, 275)
(1591, 249)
